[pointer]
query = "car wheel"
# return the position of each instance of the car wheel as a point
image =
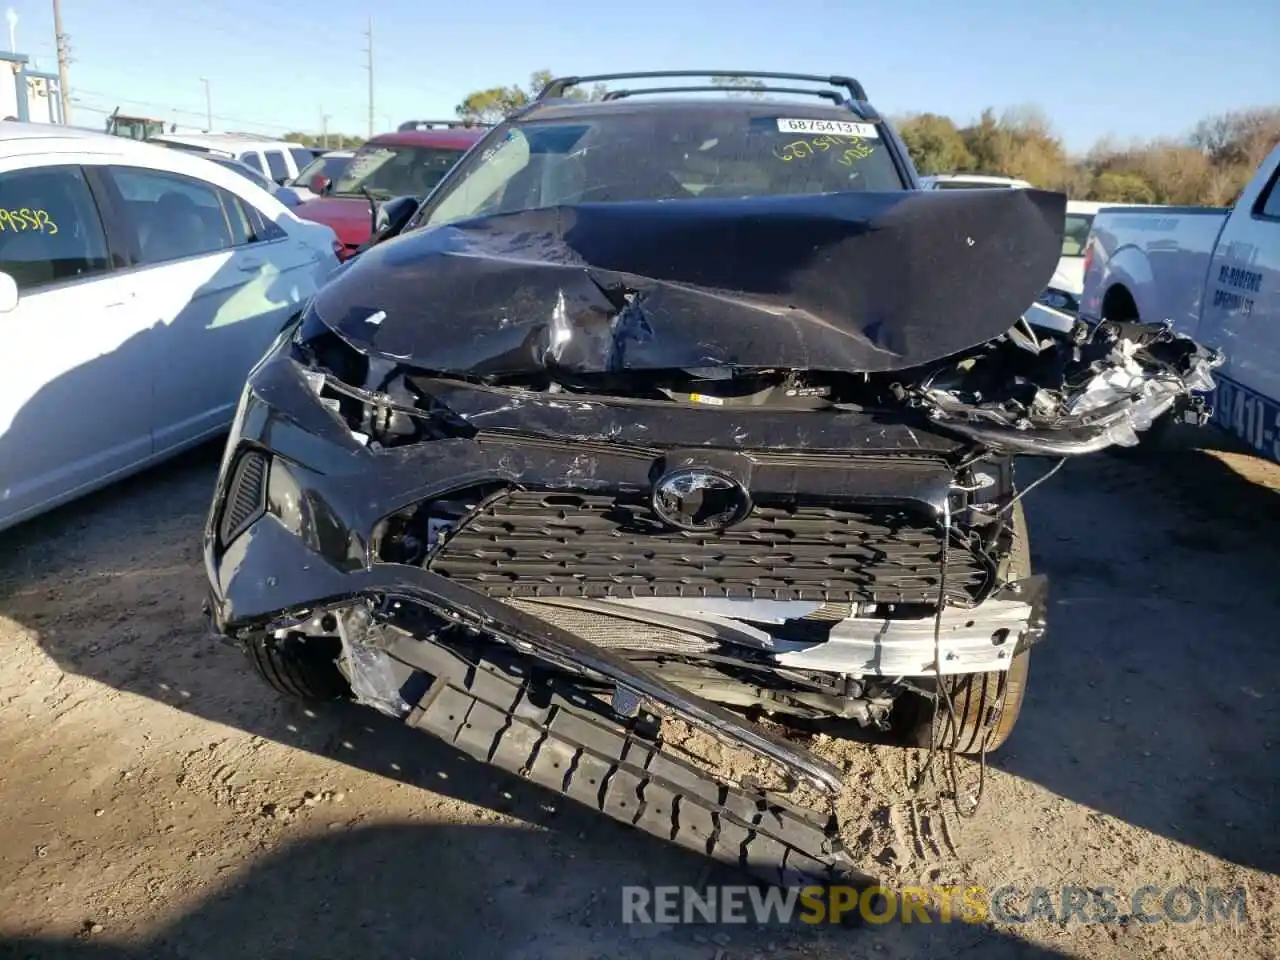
(976, 696)
(302, 668)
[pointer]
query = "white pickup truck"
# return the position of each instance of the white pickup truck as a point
(1213, 273)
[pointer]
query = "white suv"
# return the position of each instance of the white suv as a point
(278, 160)
(138, 287)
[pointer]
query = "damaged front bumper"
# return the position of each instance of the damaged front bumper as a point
(464, 647)
(292, 547)
(538, 702)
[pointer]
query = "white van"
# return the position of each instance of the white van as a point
(279, 160)
(971, 181)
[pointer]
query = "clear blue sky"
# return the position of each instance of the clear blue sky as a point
(1126, 68)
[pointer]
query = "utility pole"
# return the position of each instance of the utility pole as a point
(369, 50)
(208, 107)
(60, 39)
(324, 128)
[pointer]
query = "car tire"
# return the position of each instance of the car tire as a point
(302, 668)
(974, 696)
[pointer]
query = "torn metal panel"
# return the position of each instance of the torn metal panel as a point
(974, 640)
(978, 640)
(514, 414)
(609, 758)
(852, 282)
(1068, 394)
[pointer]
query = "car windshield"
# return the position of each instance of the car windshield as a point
(395, 171)
(1075, 236)
(330, 167)
(664, 155)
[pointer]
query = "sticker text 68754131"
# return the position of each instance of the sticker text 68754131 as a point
(26, 218)
(846, 127)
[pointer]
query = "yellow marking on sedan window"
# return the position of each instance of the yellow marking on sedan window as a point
(20, 219)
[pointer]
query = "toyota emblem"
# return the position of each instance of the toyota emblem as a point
(700, 501)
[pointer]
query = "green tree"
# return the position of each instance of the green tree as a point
(496, 103)
(984, 143)
(1018, 143)
(1117, 187)
(935, 144)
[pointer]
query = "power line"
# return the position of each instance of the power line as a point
(182, 110)
(369, 51)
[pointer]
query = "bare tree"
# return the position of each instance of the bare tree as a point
(740, 86)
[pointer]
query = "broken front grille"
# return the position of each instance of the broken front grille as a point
(539, 544)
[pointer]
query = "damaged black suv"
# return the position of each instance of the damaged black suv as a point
(674, 409)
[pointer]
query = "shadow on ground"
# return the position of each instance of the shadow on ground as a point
(439, 892)
(1155, 696)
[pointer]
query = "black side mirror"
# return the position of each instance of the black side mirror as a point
(392, 217)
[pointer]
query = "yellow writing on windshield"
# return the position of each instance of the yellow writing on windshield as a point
(858, 152)
(856, 148)
(26, 218)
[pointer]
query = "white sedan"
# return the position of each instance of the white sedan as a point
(138, 286)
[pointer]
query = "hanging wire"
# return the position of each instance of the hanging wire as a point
(943, 691)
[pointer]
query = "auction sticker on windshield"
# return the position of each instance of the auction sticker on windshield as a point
(846, 127)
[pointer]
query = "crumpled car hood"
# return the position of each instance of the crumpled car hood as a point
(853, 282)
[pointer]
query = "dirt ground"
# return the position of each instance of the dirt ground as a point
(159, 801)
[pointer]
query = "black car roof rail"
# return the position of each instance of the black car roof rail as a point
(799, 91)
(556, 88)
(439, 124)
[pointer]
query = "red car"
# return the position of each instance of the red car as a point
(409, 162)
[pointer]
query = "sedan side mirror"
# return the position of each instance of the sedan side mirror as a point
(8, 293)
(320, 183)
(393, 215)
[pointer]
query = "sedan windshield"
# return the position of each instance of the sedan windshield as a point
(664, 156)
(386, 171)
